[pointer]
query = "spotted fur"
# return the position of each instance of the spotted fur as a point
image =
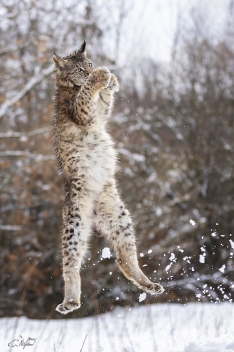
(87, 161)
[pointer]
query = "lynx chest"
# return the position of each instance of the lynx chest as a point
(90, 153)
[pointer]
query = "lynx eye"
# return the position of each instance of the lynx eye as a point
(80, 69)
(90, 65)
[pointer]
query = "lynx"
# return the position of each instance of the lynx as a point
(87, 160)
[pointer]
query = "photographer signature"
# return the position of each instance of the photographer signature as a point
(20, 342)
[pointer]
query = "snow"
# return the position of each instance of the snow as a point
(142, 297)
(168, 267)
(201, 258)
(195, 327)
(192, 222)
(232, 244)
(106, 253)
(172, 257)
(222, 268)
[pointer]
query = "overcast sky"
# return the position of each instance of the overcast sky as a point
(150, 25)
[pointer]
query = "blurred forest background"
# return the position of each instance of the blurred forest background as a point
(173, 124)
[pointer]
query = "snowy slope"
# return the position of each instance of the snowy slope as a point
(193, 327)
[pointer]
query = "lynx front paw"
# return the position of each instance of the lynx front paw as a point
(100, 76)
(113, 83)
(67, 307)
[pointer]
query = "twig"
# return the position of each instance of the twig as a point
(45, 325)
(172, 327)
(83, 343)
(127, 333)
(36, 157)
(151, 327)
(12, 134)
(107, 330)
(62, 335)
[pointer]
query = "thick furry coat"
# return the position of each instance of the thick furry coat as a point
(87, 161)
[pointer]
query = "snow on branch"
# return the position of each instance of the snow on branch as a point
(31, 83)
(193, 283)
(10, 228)
(12, 134)
(10, 50)
(36, 157)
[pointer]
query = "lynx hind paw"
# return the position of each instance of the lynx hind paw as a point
(67, 307)
(113, 83)
(154, 289)
(101, 75)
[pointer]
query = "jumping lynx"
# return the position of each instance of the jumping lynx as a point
(87, 160)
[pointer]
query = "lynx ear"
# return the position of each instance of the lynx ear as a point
(82, 49)
(59, 61)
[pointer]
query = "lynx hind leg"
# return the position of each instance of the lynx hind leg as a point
(119, 232)
(72, 291)
(76, 231)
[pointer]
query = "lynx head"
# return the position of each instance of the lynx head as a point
(73, 70)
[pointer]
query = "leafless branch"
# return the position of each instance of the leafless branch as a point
(12, 134)
(11, 50)
(31, 83)
(193, 282)
(10, 228)
(36, 157)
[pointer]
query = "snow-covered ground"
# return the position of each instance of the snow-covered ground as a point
(195, 327)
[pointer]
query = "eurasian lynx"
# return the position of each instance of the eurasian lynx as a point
(87, 160)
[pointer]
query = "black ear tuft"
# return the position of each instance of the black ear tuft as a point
(82, 49)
